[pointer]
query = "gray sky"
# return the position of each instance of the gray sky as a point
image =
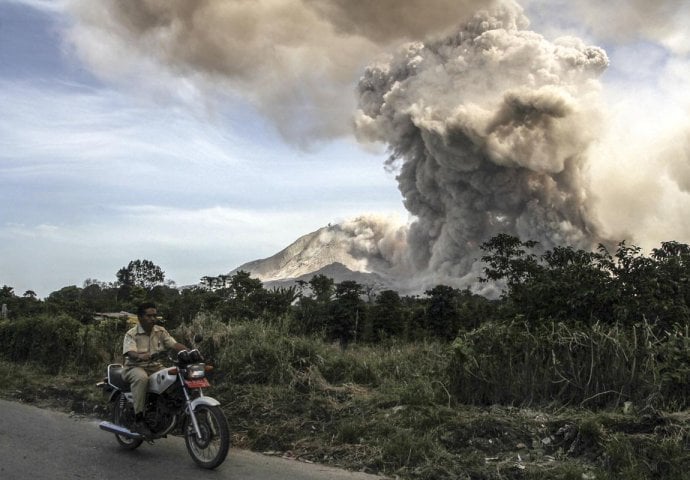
(221, 137)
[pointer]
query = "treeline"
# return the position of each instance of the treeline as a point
(345, 312)
(582, 287)
(564, 285)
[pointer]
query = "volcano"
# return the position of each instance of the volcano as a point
(333, 251)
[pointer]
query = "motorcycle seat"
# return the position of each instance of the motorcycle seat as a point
(115, 372)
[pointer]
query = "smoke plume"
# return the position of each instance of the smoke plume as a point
(287, 57)
(490, 128)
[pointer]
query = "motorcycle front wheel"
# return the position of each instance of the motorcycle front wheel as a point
(210, 450)
(118, 417)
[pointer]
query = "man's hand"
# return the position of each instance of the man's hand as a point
(139, 357)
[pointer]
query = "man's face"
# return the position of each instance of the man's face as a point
(148, 319)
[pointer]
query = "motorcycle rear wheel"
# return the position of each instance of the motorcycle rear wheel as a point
(210, 450)
(118, 414)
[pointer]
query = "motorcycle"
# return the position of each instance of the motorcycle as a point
(175, 405)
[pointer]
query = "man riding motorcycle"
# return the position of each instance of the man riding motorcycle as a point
(140, 344)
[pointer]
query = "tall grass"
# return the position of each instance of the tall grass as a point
(513, 363)
(262, 353)
(592, 366)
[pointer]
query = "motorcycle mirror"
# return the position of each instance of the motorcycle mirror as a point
(198, 338)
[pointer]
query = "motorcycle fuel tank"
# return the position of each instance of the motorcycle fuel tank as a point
(161, 380)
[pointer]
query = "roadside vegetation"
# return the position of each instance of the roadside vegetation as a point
(580, 370)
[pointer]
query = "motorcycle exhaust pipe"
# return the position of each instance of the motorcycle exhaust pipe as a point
(112, 428)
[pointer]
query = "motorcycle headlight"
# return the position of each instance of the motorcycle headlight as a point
(196, 370)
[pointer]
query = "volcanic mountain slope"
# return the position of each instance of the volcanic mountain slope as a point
(336, 251)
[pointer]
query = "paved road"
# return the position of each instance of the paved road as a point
(44, 444)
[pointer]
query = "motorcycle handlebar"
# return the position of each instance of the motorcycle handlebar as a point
(189, 356)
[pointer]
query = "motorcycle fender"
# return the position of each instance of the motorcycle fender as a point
(210, 401)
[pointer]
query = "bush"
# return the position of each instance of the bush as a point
(252, 352)
(58, 342)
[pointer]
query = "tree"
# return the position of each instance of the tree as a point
(561, 284)
(277, 301)
(414, 317)
(346, 312)
(387, 317)
(656, 288)
(91, 298)
(242, 285)
(17, 307)
(141, 273)
(442, 314)
(312, 312)
(322, 288)
(569, 285)
(189, 303)
(68, 300)
(310, 316)
(242, 299)
(6, 292)
(573, 285)
(507, 259)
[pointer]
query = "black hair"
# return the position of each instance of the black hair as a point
(141, 309)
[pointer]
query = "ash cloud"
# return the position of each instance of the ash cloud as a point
(490, 126)
(287, 57)
(490, 129)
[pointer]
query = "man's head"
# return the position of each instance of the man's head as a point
(147, 314)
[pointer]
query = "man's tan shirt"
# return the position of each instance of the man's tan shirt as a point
(137, 340)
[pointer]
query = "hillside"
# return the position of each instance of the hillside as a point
(329, 251)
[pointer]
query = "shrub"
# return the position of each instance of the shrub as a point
(58, 342)
(252, 352)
